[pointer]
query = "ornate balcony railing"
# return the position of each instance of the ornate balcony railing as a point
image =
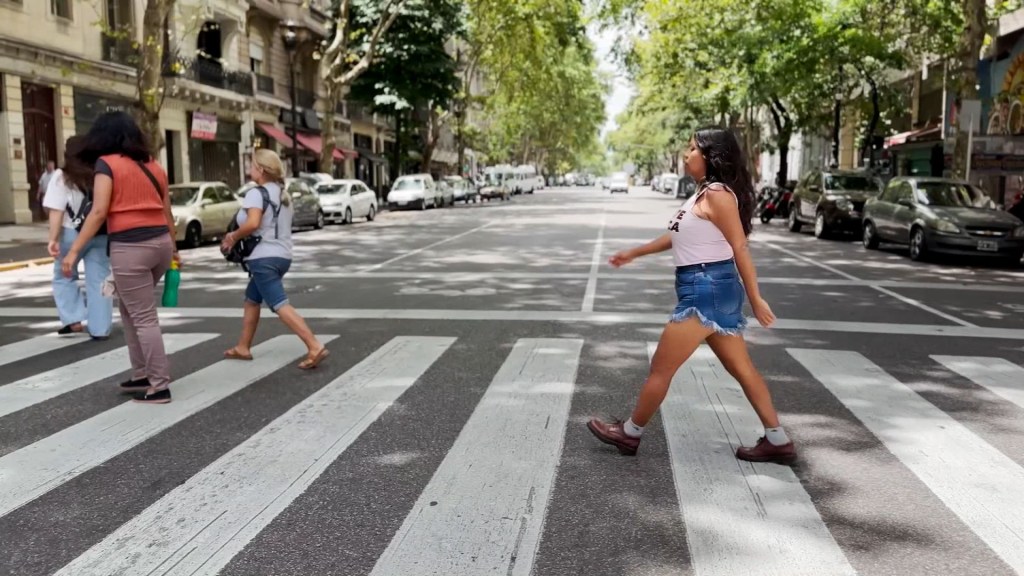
(210, 73)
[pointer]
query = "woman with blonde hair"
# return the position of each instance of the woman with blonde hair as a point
(267, 214)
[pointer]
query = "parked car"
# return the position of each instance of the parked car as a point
(344, 200)
(936, 215)
(494, 187)
(202, 210)
(832, 201)
(669, 182)
(414, 191)
(618, 182)
(305, 202)
(685, 187)
(463, 190)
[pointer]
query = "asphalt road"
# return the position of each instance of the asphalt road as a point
(445, 434)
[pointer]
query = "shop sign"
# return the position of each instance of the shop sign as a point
(993, 163)
(204, 126)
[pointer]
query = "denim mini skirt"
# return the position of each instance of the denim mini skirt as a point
(712, 293)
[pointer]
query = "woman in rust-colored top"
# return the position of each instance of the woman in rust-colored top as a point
(130, 195)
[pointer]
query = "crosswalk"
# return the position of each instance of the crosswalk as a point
(483, 508)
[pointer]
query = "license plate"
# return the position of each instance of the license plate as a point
(988, 246)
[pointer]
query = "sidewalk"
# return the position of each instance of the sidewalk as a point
(22, 246)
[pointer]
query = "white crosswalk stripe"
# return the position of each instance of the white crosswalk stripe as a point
(41, 387)
(483, 505)
(737, 514)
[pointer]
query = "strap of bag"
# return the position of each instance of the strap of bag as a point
(277, 209)
(156, 184)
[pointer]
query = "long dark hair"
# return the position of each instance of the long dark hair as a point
(115, 133)
(726, 164)
(77, 173)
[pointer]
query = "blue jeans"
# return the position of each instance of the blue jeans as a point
(266, 282)
(713, 293)
(72, 305)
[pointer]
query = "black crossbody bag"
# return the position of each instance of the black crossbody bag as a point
(245, 246)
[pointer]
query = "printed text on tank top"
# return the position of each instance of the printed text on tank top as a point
(697, 240)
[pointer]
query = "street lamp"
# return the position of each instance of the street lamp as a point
(291, 42)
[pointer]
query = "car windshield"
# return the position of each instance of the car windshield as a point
(951, 194)
(846, 182)
(493, 179)
(332, 189)
(183, 196)
(410, 184)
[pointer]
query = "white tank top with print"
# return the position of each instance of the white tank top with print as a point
(696, 240)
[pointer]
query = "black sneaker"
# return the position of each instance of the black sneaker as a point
(161, 397)
(134, 385)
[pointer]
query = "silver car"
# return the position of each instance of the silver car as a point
(202, 210)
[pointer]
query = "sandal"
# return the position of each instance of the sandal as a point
(314, 360)
(75, 328)
(233, 354)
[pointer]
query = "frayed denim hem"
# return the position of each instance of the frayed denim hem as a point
(705, 321)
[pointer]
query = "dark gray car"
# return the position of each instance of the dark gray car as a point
(936, 215)
(831, 201)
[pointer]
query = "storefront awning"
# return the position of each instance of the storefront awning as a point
(273, 132)
(315, 144)
(373, 158)
(925, 133)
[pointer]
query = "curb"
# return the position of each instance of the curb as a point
(25, 264)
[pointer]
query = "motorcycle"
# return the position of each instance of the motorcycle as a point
(773, 202)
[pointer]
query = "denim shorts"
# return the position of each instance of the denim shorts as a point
(713, 293)
(266, 282)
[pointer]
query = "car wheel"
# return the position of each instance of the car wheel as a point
(423, 205)
(918, 245)
(319, 220)
(765, 218)
(371, 214)
(794, 223)
(870, 237)
(820, 226)
(194, 235)
(348, 216)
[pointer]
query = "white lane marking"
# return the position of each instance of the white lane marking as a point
(885, 291)
(1002, 377)
(263, 475)
(568, 316)
(737, 514)
(483, 510)
(980, 484)
(41, 387)
(38, 468)
(35, 346)
(425, 248)
(595, 267)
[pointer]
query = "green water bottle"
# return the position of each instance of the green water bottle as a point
(171, 282)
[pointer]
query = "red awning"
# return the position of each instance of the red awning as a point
(273, 132)
(913, 136)
(350, 153)
(315, 144)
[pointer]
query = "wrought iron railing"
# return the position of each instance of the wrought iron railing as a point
(209, 73)
(119, 50)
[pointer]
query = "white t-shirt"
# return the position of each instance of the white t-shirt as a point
(269, 247)
(59, 195)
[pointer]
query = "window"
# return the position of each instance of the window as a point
(256, 57)
(61, 8)
(891, 192)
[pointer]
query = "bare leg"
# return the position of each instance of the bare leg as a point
(732, 351)
(678, 342)
(291, 318)
(250, 321)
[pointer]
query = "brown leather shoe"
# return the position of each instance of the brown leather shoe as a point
(765, 451)
(614, 434)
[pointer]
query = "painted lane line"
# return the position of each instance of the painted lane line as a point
(199, 526)
(885, 291)
(35, 346)
(38, 468)
(978, 483)
(484, 508)
(424, 249)
(595, 267)
(41, 387)
(737, 514)
(569, 316)
(1000, 376)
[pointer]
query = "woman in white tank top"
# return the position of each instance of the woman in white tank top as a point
(708, 239)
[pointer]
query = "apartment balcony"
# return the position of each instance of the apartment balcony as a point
(359, 112)
(210, 73)
(305, 98)
(265, 84)
(118, 50)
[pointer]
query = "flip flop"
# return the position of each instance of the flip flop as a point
(233, 354)
(312, 362)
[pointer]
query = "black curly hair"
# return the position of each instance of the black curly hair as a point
(115, 133)
(726, 164)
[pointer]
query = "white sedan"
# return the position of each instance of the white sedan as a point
(344, 200)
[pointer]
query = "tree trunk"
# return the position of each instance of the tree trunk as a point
(783, 134)
(396, 161)
(968, 51)
(150, 95)
(328, 136)
(868, 149)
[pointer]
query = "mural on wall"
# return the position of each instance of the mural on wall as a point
(1007, 112)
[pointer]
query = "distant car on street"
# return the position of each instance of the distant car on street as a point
(413, 191)
(618, 182)
(463, 190)
(344, 200)
(201, 210)
(833, 201)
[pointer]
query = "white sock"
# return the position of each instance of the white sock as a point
(632, 430)
(777, 436)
